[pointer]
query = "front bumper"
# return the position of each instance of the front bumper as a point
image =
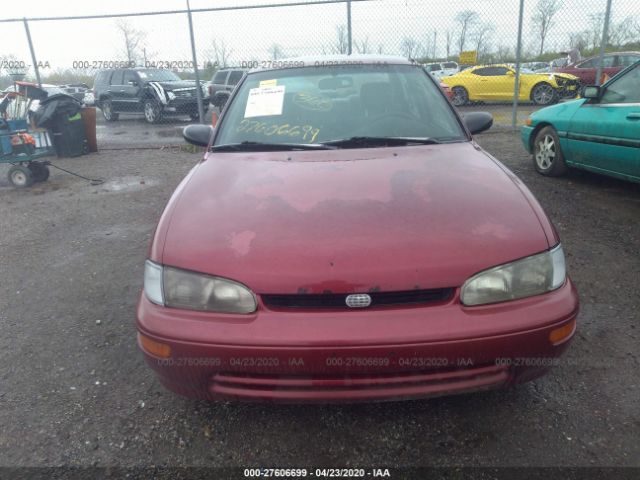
(184, 106)
(385, 354)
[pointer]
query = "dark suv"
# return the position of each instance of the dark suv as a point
(152, 92)
(222, 84)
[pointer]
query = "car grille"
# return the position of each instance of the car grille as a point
(373, 386)
(185, 93)
(338, 300)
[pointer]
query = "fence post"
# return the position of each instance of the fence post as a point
(195, 66)
(33, 52)
(349, 27)
(605, 39)
(516, 88)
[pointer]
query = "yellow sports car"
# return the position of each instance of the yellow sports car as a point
(497, 82)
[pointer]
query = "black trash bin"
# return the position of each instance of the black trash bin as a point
(60, 115)
(67, 134)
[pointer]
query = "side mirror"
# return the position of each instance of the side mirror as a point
(197, 134)
(592, 91)
(477, 122)
(511, 73)
(133, 83)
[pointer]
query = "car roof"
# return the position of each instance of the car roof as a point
(319, 60)
(607, 54)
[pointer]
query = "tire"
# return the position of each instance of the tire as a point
(548, 158)
(460, 96)
(544, 94)
(152, 111)
(107, 111)
(20, 176)
(39, 171)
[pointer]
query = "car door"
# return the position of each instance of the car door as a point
(130, 91)
(496, 83)
(116, 90)
(588, 69)
(604, 134)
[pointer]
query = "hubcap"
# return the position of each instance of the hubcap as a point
(544, 94)
(148, 112)
(546, 152)
(459, 96)
(19, 178)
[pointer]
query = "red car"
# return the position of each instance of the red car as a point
(344, 238)
(447, 91)
(612, 64)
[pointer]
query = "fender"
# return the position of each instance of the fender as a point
(158, 92)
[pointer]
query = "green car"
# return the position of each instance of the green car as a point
(600, 132)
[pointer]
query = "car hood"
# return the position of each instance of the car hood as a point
(559, 115)
(350, 220)
(566, 76)
(177, 85)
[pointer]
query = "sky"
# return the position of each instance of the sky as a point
(248, 34)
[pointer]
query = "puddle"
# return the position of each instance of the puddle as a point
(128, 183)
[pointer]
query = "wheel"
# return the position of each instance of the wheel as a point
(547, 153)
(107, 111)
(20, 176)
(544, 94)
(39, 171)
(460, 96)
(152, 111)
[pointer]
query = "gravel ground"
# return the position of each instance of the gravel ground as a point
(75, 391)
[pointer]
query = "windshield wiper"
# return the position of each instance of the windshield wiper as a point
(356, 142)
(247, 146)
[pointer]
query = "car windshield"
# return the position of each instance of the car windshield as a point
(324, 104)
(158, 75)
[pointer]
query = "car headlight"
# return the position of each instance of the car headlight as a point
(171, 95)
(523, 278)
(177, 288)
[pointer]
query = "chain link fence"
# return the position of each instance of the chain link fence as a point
(143, 68)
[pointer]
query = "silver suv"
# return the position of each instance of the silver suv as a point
(223, 83)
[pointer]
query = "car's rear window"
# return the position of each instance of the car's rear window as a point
(220, 77)
(317, 104)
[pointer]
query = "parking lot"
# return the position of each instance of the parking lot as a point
(133, 131)
(75, 389)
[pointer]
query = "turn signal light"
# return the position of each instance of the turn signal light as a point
(562, 334)
(528, 122)
(152, 347)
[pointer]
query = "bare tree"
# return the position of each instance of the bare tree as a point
(466, 21)
(221, 53)
(579, 40)
(596, 22)
(362, 46)
(542, 19)
(410, 48)
(448, 39)
(621, 33)
(342, 42)
(276, 52)
(482, 37)
(133, 40)
(503, 54)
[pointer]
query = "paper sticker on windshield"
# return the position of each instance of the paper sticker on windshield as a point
(268, 83)
(264, 101)
(142, 74)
